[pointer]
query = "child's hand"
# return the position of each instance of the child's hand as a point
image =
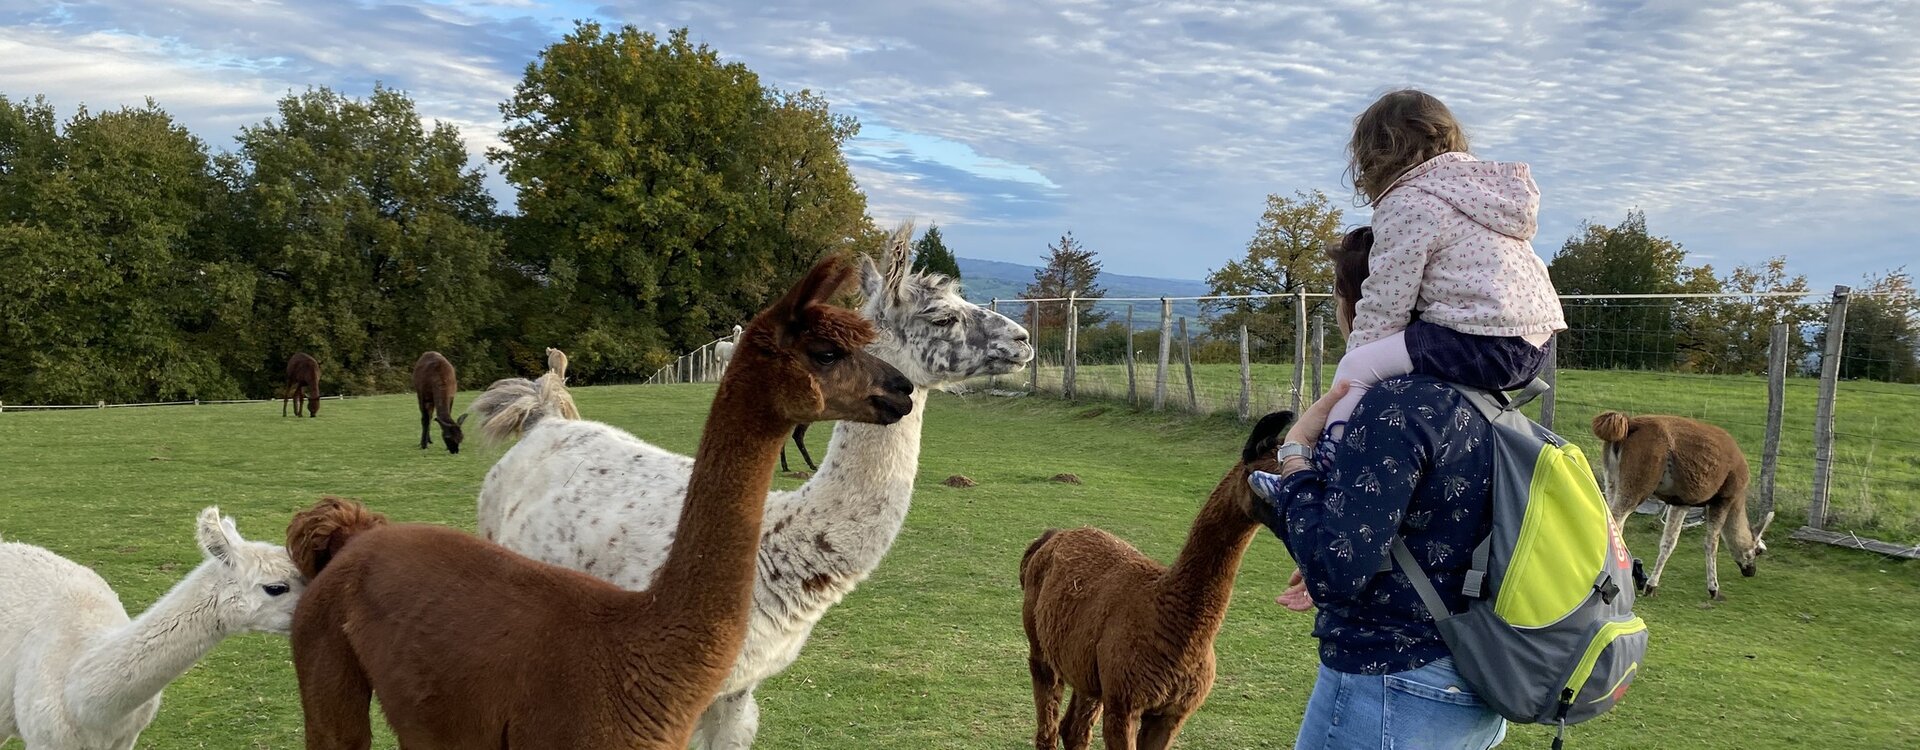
(1295, 597)
(1307, 429)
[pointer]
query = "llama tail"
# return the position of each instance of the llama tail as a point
(512, 406)
(1034, 549)
(319, 533)
(1610, 426)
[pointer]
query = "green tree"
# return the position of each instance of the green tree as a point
(1624, 259)
(1732, 335)
(930, 254)
(1882, 341)
(1288, 253)
(374, 237)
(665, 195)
(1070, 270)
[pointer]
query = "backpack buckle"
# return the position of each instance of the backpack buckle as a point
(1608, 590)
(1475, 581)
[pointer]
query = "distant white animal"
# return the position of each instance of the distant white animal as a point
(77, 674)
(724, 350)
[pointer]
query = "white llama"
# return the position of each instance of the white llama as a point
(77, 674)
(723, 351)
(594, 498)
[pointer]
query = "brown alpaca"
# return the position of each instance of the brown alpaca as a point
(1683, 463)
(303, 376)
(469, 645)
(1133, 637)
(434, 383)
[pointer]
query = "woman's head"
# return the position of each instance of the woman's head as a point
(1397, 133)
(1349, 272)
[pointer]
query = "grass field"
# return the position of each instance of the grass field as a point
(1819, 650)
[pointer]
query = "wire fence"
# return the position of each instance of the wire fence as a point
(6, 407)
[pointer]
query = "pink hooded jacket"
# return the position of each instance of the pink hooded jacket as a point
(1452, 240)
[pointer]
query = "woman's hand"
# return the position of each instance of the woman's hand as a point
(1295, 597)
(1308, 428)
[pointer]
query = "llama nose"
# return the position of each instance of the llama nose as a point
(899, 385)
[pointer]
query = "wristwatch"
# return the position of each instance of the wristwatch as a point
(1295, 450)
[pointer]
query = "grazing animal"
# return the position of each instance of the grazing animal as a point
(1685, 464)
(799, 441)
(434, 383)
(723, 351)
(1132, 637)
(594, 498)
(469, 645)
(77, 674)
(303, 377)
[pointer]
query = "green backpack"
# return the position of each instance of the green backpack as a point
(1549, 635)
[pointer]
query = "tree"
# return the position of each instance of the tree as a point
(1623, 259)
(664, 194)
(1070, 270)
(1733, 334)
(930, 254)
(1288, 253)
(1882, 341)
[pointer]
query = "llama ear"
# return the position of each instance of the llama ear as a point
(870, 279)
(821, 283)
(216, 538)
(461, 422)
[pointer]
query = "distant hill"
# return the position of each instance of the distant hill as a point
(991, 279)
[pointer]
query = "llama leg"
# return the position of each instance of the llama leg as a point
(800, 441)
(426, 421)
(1076, 728)
(334, 693)
(728, 724)
(1119, 727)
(1676, 518)
(1716, 522)
(1046, 703)
(1158, 730)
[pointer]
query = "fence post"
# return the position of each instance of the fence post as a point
(1072, 347)
(1551, 374)
(1823, 419)
(993, 381)
(1319, 351)
(1186, 356)
(1299, 345)
(1133, 390)
(1246, 378)
(1033, 330)
(1166, 350)
(1776, 412)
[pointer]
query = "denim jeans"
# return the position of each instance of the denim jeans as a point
(1429, 708)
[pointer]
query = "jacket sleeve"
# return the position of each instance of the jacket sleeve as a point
(1339, 520)
(1405, 230)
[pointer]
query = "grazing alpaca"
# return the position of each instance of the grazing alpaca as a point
(1130, 636)
(723, 351)
(800, 441)
(594, 498)
(1685, 464)
(434, 383)
(469, 645)
(303, 376)
(76, 673)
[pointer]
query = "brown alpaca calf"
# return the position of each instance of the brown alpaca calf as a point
(434, 383)
(1132, 637)
(1685, 464)
(469, 645)
(303, 377)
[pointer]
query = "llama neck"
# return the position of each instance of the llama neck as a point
(128, 666)
(1200, 582)
(860, 495)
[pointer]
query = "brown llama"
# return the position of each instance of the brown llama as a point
(1132, 637)
(1685, 464)
(303, 377)
(799, 441)
(469, 645)
(434, 383)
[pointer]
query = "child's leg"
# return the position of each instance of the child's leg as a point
(1365, 365)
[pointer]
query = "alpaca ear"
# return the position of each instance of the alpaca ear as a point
(821, 283)
(900, 262)
(217, 539)
(870, 279)
(461, 422)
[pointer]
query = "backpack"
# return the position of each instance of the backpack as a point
(1549, 635)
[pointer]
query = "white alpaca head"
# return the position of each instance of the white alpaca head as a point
(927, 330)
(255, 584)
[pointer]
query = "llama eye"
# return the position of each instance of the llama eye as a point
(827, 357)
(944, 322)
(275, 589)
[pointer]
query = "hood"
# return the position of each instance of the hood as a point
(1500, 196)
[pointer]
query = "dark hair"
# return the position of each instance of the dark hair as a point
(1398, 132)
(1350, 262)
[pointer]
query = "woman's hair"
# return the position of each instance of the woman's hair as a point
(1395, 134)
(1350, 262)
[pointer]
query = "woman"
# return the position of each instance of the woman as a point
(1414, 462)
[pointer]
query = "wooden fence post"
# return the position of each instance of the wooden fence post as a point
(1133, 390)
(993, 381)
(1033, 330)
(1068, 383)
(1299, 345)
(1246, 378)
(1186, 355)
(1776, 413)
(1823, 419)
(1550, 374)
(1166, 350)
(1319, 351)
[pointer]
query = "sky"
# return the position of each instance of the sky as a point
(1151, 131)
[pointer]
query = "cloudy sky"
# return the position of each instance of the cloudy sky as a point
(1151, 130)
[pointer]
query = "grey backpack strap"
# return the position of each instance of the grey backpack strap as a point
(1417, 576)
(1533, 389)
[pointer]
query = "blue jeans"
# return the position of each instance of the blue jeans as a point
(1429, 708)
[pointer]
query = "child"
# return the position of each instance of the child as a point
(1454, 289)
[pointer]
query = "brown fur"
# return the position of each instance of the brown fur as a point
(1132, 637)
(303, 378)
(469, 645)
(434, 382)
(1684, 463)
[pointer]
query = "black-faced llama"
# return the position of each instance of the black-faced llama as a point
(303, 378)
(434, 383)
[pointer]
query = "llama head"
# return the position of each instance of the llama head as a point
(1747, 558)
(1259, 453)
(255, 584)
(451, 433)
(928, 330)
(811, 357)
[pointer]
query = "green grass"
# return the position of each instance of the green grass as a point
(1819, 650)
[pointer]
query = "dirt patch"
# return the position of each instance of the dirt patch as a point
(1066, 478)
(960, 480)
(1094, 412)
(798, 475)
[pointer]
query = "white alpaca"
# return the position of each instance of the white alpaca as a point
(723, 351)
(76, 674)
(595, 498)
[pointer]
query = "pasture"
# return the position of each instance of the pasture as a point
(1819, 650)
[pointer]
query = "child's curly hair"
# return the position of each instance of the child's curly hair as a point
(1398, 132)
